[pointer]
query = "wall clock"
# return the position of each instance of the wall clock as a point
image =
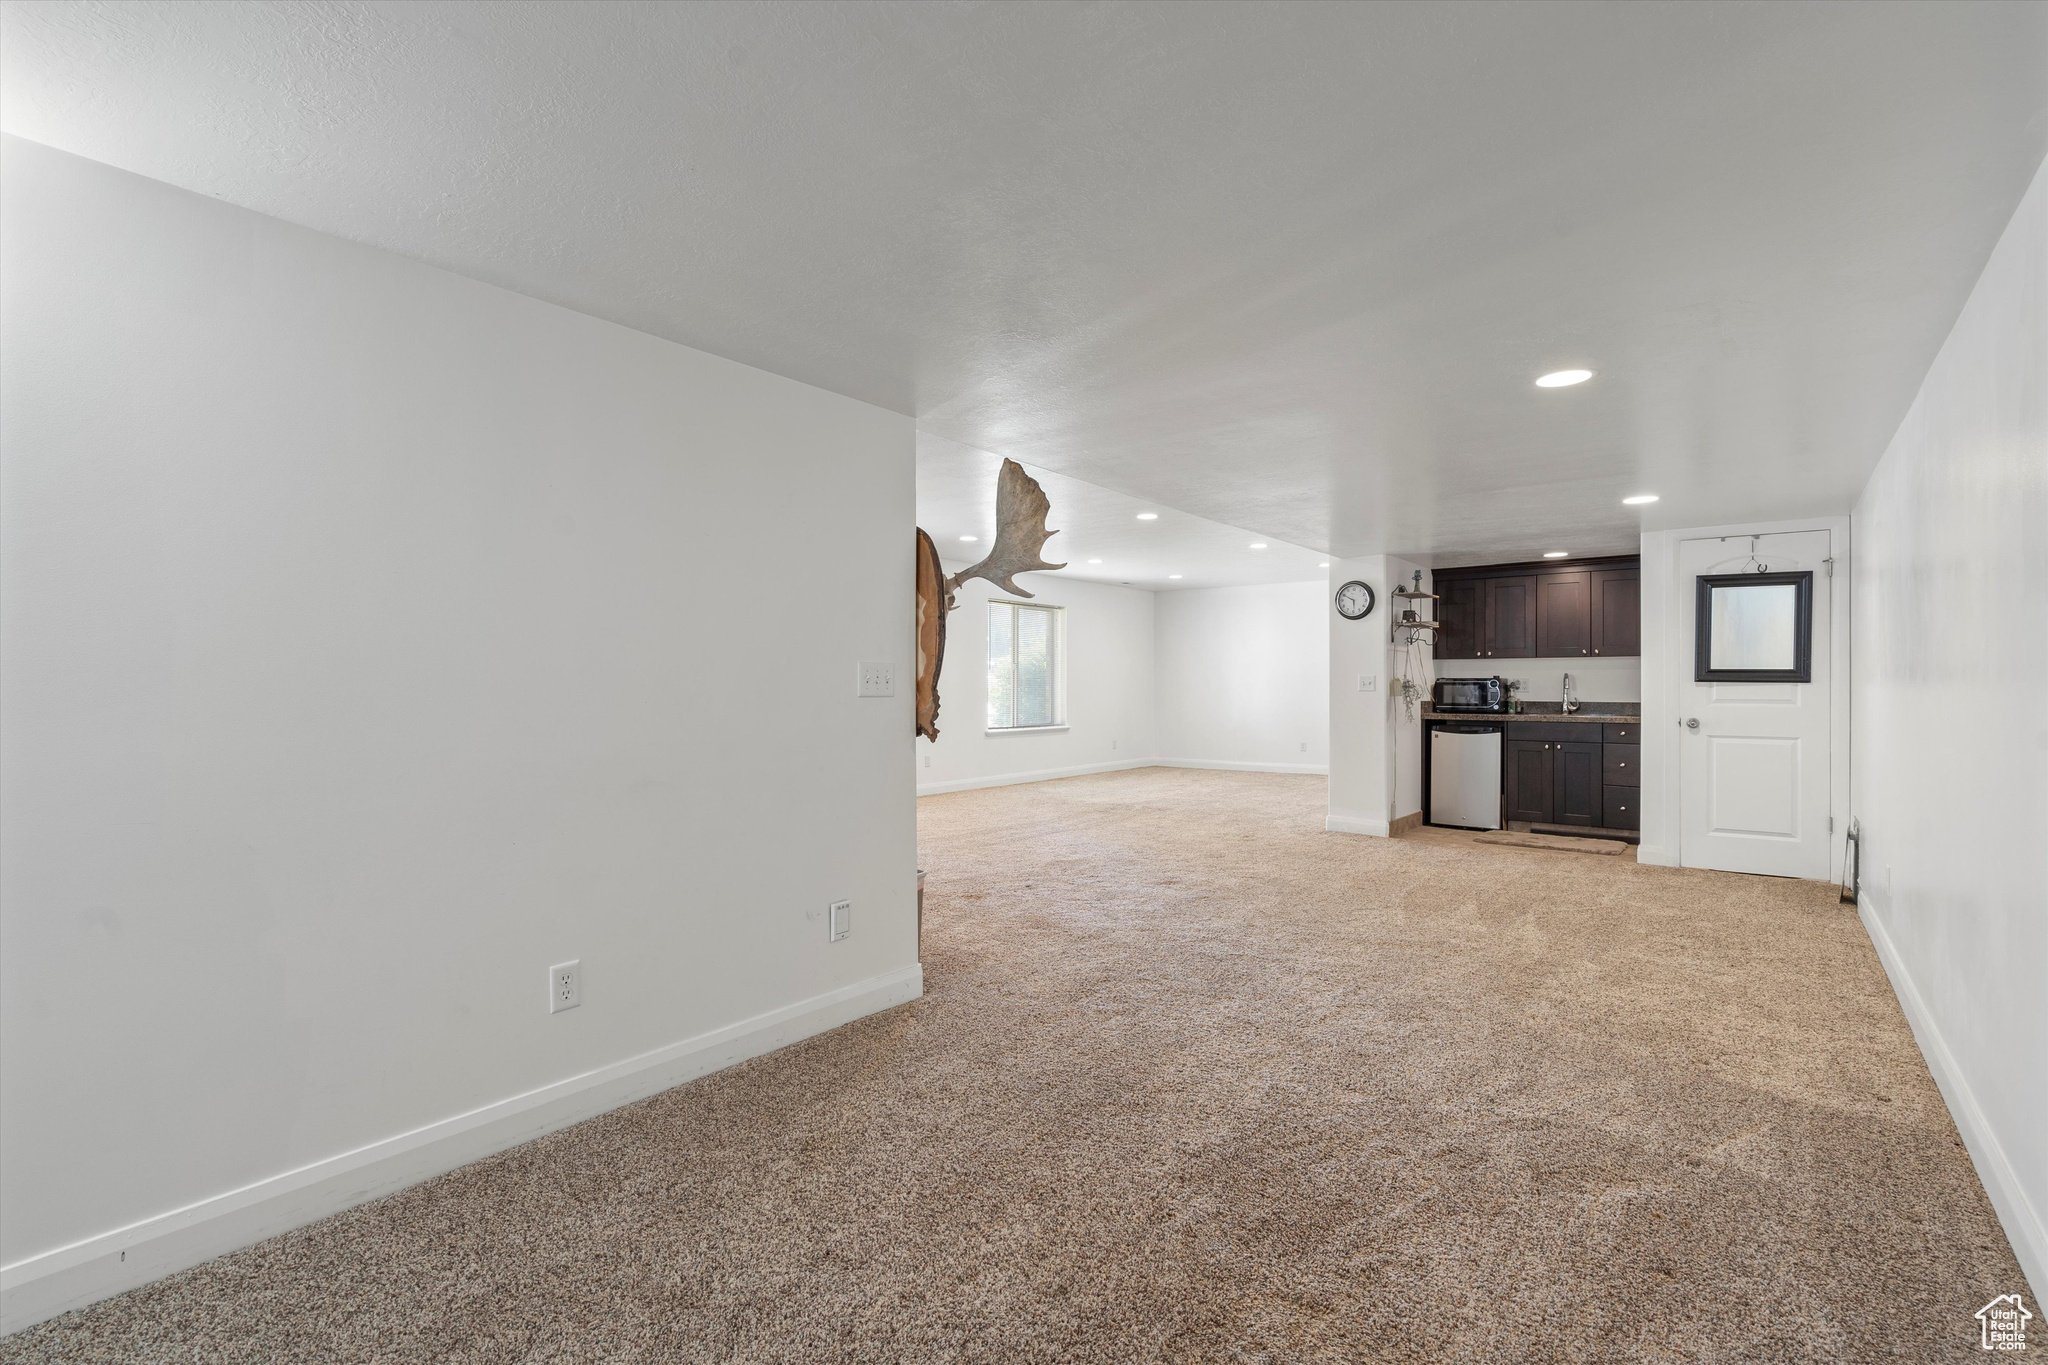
(1355, 600)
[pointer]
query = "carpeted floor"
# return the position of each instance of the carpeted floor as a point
(1197, 1081)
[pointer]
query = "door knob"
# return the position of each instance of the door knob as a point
(1693, 723)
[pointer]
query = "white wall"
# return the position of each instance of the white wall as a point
(1243, 677)
(1375, 744)
(373, 639)
(1600, 679)
(1950, 779)
(1109, 690)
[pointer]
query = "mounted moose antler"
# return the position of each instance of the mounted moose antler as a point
(1021, 509)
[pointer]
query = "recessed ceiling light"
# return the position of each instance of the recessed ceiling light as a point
(970, 538)
(1173, 575)
(1563, 379)
(1555, 554)
(1148, 516)
(1324, 565)
(1258, 545)
(1638, 500)
(1094, 561)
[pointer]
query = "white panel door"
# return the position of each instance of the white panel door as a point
(1753, 757)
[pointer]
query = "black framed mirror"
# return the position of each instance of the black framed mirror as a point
(1753, 627)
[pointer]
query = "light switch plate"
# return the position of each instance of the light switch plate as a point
(877, 680)
(841, 919)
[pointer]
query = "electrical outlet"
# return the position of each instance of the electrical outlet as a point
(1368, 682)
(927, 760)
(841, 919)
(1304, 746)
(565, 986)
(877, 680)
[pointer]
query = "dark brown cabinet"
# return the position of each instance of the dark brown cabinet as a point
(1528, 771)
(1458, 609)
(1540, 611)
(1510, 629)
(1618, 808)
(1615, 612)
(1562, 631)
(1576, 788)
(1550, 783)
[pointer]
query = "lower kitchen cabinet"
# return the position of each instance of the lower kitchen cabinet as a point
(1528, 772)
(1551, 783)
(1576, 788)
(1620, 807)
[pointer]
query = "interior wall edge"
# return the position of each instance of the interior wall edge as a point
(1351, 822)
(40, 1287)
(2024, 1226)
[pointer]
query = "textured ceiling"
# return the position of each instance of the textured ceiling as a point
(956, 496)
(1289, 267)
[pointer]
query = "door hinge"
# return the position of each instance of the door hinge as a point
(1830, 562)
(1831, 824)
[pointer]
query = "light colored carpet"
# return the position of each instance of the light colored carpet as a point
(1198, 1081)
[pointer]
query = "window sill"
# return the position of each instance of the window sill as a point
(1021, 729)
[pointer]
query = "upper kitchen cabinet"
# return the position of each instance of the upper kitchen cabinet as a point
(1616, 616)
(1561, 626)
(1540, 611)
(1458, 610)
(1510, 628)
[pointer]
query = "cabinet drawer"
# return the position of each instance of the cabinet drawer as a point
(1630, 733)
(1619, 808)
(1621, 765)
(1545, 729)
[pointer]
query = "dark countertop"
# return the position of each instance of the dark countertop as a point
(1589, 713)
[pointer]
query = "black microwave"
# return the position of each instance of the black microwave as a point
(1471, 694)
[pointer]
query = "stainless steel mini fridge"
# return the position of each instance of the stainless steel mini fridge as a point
(1464, 776)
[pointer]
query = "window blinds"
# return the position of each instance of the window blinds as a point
(1023, 665)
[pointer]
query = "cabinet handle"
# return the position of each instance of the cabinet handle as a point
(1595, 651)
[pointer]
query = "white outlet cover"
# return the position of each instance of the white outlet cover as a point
(1368, 682)
(877, 680)
(841, 919)
(565, 986)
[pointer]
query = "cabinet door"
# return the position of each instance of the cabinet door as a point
(1561, 628)
(1576, 793)
(1617, 612)
(1510, 618)
(1457, 607)
(1527, 773)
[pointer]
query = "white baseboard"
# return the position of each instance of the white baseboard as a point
(967, 784)
(1308, 769)
(42, 1286)
(2016, 1212)
(1350, 822)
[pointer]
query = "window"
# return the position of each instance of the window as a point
(1025, 681)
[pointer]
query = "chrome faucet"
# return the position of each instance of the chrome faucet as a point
(1569, 704)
